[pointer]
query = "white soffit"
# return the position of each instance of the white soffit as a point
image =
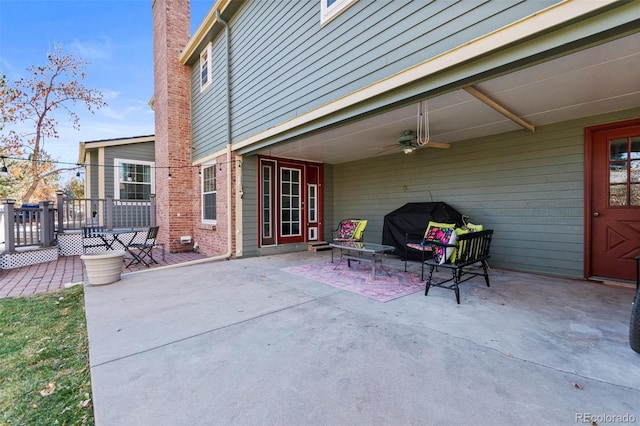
(598, 80)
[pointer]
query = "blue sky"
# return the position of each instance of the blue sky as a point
(114, 36)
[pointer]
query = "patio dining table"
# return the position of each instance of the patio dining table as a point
(113, 236)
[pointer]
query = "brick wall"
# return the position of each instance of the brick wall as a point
(212, 239)
(179, 199)
(176, 211)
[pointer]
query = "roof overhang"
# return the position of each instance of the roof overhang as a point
(84, 146)
(553, 44)
(208, 30)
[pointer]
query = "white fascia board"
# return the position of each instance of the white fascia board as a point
(116, 142)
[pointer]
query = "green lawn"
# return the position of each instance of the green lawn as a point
(44, 360)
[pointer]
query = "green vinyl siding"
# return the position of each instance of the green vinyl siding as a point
(208, 122)
(144, 151)
(249, 205)
(527, 187)
(95, 171)
(284, 63)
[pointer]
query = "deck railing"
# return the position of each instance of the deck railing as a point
(38, 225)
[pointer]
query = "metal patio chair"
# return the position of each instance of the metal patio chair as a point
(143, 252)
(91, 238)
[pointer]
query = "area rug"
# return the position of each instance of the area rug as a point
(389, 283)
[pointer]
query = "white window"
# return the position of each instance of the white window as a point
(205, 67)
(209, 193)
(329, 9)
(134, 179)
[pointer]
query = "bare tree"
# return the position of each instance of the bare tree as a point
(32, 102)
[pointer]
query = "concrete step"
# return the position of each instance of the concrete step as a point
(318, 246)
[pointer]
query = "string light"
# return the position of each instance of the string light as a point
(220, 163)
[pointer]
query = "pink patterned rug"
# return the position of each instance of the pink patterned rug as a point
(389, 283)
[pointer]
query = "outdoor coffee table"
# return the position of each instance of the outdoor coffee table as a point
(371, 252)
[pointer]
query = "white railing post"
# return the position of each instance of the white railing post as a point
(152, 208)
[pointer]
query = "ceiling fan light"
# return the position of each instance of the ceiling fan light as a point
(408, 150)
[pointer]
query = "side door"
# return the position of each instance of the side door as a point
(613, 200)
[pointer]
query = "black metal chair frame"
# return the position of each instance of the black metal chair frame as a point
(471, 249)
(143, 252)
(425, 251)
(91, 232)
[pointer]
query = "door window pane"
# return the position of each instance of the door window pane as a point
(618, 172)
(635, 195)
(635, 147)
(635, 171)
(618, 195)
(618, 149)
(290, 205)
(312, 203)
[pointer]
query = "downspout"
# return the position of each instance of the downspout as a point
(229, 251)
(229, 141)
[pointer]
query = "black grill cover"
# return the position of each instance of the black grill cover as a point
(412, 219)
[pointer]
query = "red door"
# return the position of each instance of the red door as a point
(290, 201)
(613, 200)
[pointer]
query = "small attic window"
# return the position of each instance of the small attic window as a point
(205, 67)
(329, 9)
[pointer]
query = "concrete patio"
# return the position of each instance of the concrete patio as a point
(54, 275)
(242, 342)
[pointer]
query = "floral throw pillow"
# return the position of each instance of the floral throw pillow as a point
(443, 235)
(347, 230)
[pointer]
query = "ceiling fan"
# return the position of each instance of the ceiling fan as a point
(410, 140)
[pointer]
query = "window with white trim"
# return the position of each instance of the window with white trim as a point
(329, 9)
(205, 67)
(209, 193)
(134, 179)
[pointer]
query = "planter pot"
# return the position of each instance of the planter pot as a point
(104, 267)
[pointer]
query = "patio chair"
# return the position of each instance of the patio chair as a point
(470, 260)
(91, 238)
(143, 252)
(437, 231)
(350, 230)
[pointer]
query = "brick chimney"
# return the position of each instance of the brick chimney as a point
(175, 197)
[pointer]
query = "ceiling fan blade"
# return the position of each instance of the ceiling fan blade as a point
(432, 144)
